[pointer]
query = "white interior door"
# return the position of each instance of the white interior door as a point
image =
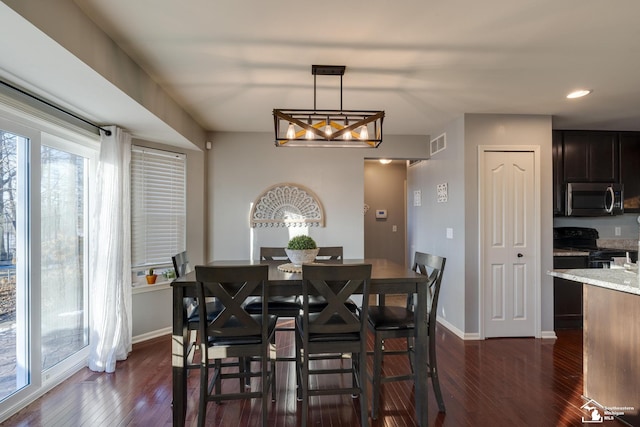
(509, 243)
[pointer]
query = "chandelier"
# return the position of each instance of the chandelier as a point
(328, 128)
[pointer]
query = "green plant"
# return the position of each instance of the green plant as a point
(301, 242)
(150, 272)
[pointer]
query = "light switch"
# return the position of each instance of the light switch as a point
(449, 233)
(394, 228)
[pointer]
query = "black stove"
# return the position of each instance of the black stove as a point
(586, 239)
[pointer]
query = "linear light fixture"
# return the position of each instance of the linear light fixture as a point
(327, 128)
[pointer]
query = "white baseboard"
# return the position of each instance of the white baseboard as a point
(150, 335)
(459, 333)
(548, 335)
(471, 336)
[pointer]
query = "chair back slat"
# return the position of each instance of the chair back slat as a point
(271, 253)
(232, 286)
(330, 252)
(336, 283)
(432, 266)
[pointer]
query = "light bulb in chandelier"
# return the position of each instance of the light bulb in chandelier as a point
(347, 135)
(308, 134)
(291, 132)
(327, 129)
(364, 132)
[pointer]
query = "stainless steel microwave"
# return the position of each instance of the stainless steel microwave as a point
(594, 199)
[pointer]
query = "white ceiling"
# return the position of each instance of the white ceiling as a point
(229, 63)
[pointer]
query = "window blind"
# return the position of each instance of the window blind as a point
(158, 206)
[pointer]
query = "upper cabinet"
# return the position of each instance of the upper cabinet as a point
(590, 156)
(558, 174)
(596, 156)
(630, 170)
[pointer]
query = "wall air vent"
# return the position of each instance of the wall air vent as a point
(438, 144)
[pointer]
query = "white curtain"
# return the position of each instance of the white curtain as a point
(110, 260)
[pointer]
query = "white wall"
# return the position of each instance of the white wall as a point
(243, 165)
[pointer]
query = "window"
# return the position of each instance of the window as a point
(158, 207)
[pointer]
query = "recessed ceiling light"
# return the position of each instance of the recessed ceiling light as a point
(579, 93)
(385, 161)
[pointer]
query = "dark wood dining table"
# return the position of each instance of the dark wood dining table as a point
(387, 277)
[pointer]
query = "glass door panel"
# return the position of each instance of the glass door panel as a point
(14, 342)
(64, 318)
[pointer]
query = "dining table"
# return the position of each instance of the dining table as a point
(387, 277)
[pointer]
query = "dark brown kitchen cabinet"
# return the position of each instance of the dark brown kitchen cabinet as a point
(567, 295)
(590, 156)
(558, 173)
(630, 170)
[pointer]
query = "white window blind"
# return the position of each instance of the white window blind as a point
(158, 206)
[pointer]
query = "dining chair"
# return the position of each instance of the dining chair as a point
(281, 306)
(191, 316)
(235, 333)
(330, 252)
(335, 329)
(388, 322)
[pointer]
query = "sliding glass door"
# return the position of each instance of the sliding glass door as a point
(14, 283)
(44, 223)
(63, 195)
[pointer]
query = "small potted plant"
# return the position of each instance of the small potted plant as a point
(151, 278)
(301, 249)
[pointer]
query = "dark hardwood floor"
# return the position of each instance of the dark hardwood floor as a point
(497, 382)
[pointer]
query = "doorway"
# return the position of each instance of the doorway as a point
(385, 210)
(509, 223)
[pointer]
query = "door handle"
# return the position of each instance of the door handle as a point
(520, 255)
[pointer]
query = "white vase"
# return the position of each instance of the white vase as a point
(302, 256)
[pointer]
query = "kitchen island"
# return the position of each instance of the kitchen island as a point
(611, 343)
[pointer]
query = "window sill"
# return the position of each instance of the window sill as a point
(143, 288)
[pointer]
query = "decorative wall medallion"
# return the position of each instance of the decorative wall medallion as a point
(287, 205)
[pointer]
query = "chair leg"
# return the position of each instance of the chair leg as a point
(298, 367)
(377, 373)
(266, 377)
(304, 386)
(272, 373)
(433, 373)
(204, 391)
(410, 353)
(362, 381)
(218, 369)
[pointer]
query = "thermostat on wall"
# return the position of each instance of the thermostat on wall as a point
(381, 213)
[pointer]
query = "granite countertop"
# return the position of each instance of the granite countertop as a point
(617, 279)
(569, 252)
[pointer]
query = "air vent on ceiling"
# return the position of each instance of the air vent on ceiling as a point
(438, 144)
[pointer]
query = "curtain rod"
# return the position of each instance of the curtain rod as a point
(106, 131)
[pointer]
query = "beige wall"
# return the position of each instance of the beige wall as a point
(243, 165)
(384, 188)
(496, 129)
(458, 166)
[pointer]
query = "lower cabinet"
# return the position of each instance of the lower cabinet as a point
(567, 294)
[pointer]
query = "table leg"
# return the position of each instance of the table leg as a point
(178, 349)
(421, 355)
